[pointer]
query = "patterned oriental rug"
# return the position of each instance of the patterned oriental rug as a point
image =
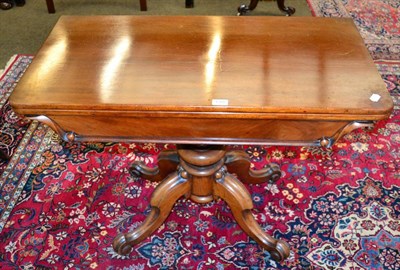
(62, 204)
(377, 21)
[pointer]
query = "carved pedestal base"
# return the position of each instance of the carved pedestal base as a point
(243, 9)
(203, 173)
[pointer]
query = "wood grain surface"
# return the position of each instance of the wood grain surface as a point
(104, 71)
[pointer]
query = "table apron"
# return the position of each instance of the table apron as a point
(201, 131)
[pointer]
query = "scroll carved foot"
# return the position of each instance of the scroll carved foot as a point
(235, 194)
(288, 10)
(243, 9)
(167, 163)
(238, 162)
(162, 201)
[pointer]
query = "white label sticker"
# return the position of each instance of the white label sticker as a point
(220, 102)
(375, 97)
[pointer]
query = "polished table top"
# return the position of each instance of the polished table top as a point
(182, 68)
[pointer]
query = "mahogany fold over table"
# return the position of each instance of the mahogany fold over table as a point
(203, 83)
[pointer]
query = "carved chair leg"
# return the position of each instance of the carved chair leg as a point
(288, 10)
(162, 201)
(235, 194)
(243, 9)
(238, 162)
(167, 163)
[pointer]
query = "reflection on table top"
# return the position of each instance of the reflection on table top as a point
(259, 65)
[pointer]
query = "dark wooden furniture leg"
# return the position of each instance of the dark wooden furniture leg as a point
(288, 10)
(201, 174)
(235, 194)
(167, 163)
(239, 163)
(243, 9)
(143, 5)
(189, 3)
(50, 6)
(162, 201)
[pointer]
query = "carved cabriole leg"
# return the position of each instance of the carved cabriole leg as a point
(167, 163)
(288, 10)
(235, 194)
(242, 9)
(162, 201)
(238, 162)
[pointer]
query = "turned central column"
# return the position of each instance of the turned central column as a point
(202, 166)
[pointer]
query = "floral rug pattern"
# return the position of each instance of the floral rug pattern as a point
(377, 21)
(337, 208)
(12, 127)
(15, 141)
(333, 207)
